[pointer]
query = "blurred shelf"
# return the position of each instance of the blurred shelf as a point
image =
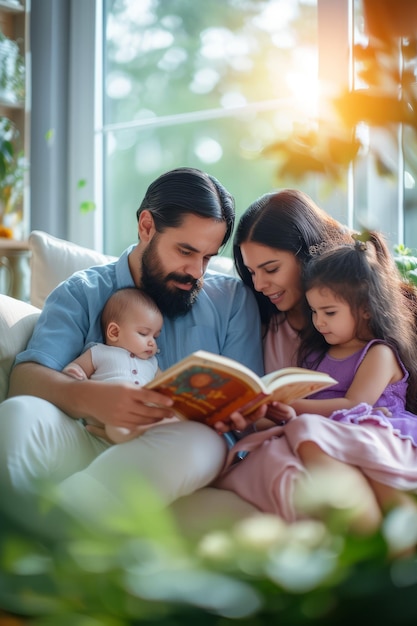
(15, 260)
(10, 104)
(15, 106)
(10, 245)
(11, 7)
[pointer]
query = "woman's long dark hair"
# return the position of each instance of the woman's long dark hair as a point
(285, 220)
(364, 275)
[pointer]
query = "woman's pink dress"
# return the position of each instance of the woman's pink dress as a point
(382, 448)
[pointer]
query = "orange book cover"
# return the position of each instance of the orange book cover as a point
(207, 387)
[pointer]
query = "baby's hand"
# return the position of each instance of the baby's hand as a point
(75, 371)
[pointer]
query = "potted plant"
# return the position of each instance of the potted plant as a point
(12, 71)
(12, 170)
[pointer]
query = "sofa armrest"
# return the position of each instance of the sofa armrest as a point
(17, 320)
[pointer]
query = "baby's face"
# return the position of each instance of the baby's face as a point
(137, 333)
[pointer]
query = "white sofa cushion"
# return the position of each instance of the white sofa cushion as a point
(53, 260)
(17, 320)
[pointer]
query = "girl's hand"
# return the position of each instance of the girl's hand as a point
(383, 410)
(280, 413)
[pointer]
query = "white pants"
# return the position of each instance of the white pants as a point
(40, 444)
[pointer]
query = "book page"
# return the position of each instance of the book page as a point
(286, 371)
(298, 389)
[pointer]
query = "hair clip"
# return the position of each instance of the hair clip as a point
(360, 240)
(360, 245)
(318, 249)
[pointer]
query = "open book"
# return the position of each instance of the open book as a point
(207, 387)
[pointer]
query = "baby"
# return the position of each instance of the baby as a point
(131, 323)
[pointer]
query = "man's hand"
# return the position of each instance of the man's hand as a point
(114, 403)
(122, 404)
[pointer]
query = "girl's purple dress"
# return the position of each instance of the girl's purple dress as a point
(401, 421)
(384, 448)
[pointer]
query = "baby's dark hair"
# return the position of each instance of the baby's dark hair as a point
(120, 301)
(364, 275)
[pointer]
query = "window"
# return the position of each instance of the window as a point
(385, 202)
(208, 88)
(212, 88)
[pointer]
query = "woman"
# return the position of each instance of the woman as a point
(288, 221)
(275, 238)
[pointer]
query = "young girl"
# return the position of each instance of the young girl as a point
(274, 243)
(361, 332)
(363, 336)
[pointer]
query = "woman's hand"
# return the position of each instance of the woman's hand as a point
(238, 422)
(267, 416)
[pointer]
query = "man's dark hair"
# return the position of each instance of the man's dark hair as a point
(187, 190)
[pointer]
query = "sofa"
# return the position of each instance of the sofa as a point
(52, 260)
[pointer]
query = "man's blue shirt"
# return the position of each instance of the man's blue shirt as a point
(223, 320)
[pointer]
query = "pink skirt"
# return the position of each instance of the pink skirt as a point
(267, 475)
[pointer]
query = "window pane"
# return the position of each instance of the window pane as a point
(385, 177)
(213, 88)
(410, 192)
(226, 148)
(203, 88)
(163, 58)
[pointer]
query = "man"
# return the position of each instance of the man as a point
(183, 220)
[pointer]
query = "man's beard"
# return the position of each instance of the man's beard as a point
(171, 301)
